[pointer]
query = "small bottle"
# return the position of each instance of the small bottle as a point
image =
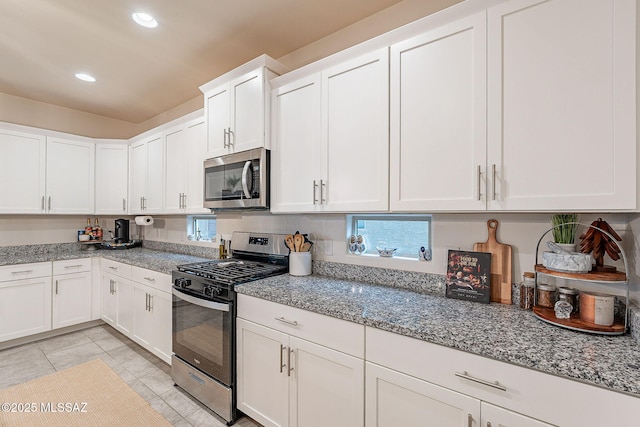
(527, 290)
(88, 229)
(97, 231)
(546, 295)
(569, 295)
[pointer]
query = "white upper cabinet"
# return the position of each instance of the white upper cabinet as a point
(331, 140)
(111, 179)
(296, 152)
(237, 107)
(438, 118)
(185, 148)
(146, 175)
(70, 176)
(22, 172)
(562, 105)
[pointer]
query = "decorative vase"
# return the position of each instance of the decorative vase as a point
(569, 247)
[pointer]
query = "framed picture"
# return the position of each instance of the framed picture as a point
(469, 276)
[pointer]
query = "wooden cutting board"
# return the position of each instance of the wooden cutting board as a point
(500, 264)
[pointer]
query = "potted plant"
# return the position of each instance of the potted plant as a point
(564, 230)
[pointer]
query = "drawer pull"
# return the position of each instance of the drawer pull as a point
(113, 268)
(73, 266)
(494, 384)
(151, 279)
(287, 321)
(22, 272)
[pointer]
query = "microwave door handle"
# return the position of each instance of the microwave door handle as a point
(245, 188)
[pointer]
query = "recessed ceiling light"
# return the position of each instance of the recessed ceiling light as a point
(145, 20)
(85, 77)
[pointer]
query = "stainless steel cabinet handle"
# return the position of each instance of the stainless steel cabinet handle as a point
(56, 287)
(113, 268)
(42, 202)
(289, 362)
(141, 203)
(287, 321)
(282, 364)
(224, 139)
(73, 266)
(22, 272)
(230, 132)
(465, 375)
(49, 207)
(470, 420)
(488, 424)
(150, 302)
(494, 181)
(479, 178)
(322, 198)
(124, 205)
(315, 187)
(151, 279)
(146, 301)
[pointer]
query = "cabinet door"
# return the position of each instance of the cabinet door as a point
(495, 416)
(248, 111)
(71, 299)
(155, 175)
(561, 104)
(22, 172)
(137, 176)
(142, 315)
(262, 387)
(395, 399)
(25, 307)
(295, 154)
(327, 387)
(438, 119)
(124, 306)
(109, 300)
(176, 170)
(196, 140)
(111, 179)
(355, 135)
(160, 308)
(217, 113)
(70, 176)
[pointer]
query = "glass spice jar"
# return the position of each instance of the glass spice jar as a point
(546, 295)
(527, 290)
(569, 295)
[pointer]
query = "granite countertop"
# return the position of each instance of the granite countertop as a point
(161, 261)
(501, 332)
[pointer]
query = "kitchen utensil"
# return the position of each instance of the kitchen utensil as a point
(500, 264)
(288, 240)
(298, 240)
(306, 247)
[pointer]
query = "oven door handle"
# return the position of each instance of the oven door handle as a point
(201, 302)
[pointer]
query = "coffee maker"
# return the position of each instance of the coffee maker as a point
(122, 231)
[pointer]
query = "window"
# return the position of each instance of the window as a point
(405, 233)
(201, 228)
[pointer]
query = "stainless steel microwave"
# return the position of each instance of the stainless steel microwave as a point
(237, 181)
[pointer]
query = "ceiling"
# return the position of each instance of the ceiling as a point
(143, 72)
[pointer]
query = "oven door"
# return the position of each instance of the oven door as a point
(203, 334)
(237, 180)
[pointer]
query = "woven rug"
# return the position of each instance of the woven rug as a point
(90, 394)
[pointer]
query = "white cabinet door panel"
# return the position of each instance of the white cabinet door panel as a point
(438, 119)
(494, 416)
(70, 176)
(247, 125)
(71, 299)
(176, 165)
(217, 112)
(25, 307)
(112, 163)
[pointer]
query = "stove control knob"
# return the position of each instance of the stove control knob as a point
(182, 283)
(212, 291)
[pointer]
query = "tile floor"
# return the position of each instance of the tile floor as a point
(145, 373)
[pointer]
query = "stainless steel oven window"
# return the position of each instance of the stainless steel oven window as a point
(203, 336)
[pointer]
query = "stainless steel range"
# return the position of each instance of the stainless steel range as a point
(204, 311)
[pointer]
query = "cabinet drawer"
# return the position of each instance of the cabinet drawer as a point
(338, 334)
(151, 278)
(71, 266)
(117, 268)
(24, 271)
(527, 391)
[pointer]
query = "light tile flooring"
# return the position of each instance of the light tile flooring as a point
(145, 373)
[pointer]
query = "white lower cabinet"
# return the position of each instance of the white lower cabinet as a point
(495, 416)
(287, 379)
(25, 300)
(71, 292)
(151, 310)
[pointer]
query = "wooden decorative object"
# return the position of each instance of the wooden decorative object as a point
(597, 243)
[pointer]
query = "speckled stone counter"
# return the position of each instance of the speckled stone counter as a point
(496, 331)
(156, 260)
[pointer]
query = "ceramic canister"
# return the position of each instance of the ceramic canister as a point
(596, 308)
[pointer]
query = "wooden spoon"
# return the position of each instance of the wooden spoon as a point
(306, 247)
(298, 239)
(288, 240)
